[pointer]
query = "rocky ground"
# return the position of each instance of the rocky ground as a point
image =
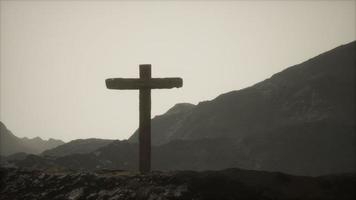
(225, 184)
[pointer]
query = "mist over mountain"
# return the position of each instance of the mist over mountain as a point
(300, 121)
(10, 144)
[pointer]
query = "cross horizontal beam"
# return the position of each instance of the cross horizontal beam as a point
(137, 83)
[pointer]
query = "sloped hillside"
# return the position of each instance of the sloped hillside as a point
(321, 89)
(165, 126)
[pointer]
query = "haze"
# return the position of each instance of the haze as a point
(55, 55)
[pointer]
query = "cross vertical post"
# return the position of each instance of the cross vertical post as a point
(145, 122)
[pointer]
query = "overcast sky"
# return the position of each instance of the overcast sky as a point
(55, 55)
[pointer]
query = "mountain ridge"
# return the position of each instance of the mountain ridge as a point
(279, 97)
(11, 144)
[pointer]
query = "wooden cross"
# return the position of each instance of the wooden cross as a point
(145, 83)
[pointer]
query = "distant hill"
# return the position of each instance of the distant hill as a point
(10, 144)
(204, 154)
(77, 147)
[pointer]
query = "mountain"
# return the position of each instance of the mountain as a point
(40, 145)
(300, 121)
(10, 144)
(80, 146)
(319, 90)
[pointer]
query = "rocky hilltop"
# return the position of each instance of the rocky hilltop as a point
(226, 184)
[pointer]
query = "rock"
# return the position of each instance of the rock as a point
(103, 193)
(92, 196)
(143, 192)
(180, 190)
(115, 197)
(75, 194)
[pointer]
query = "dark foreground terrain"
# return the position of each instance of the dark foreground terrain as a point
(225, 184)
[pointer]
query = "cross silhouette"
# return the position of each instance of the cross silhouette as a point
(144, 84)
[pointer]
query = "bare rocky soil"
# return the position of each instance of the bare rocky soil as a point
(225, 184)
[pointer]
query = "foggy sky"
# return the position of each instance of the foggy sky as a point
(55, 55)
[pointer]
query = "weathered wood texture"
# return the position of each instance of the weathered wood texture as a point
(145, 122)
(139, 83)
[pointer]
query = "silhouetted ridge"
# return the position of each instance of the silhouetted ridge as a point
(10, 144)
